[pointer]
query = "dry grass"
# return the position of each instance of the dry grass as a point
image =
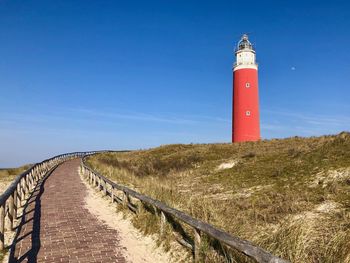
(11, 173)
(7, 175)
(289, 196)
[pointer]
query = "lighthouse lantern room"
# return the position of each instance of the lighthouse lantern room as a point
(246, 121)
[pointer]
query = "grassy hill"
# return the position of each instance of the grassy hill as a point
(289, 196)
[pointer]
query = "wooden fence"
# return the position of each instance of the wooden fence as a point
(173, 216)
(22, 186)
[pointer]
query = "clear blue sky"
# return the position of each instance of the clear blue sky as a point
(85, 75)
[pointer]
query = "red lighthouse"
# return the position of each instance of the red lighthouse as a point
(245, 115)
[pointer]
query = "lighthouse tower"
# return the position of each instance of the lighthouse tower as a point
(245, 116)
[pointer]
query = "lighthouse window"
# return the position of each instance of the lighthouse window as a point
(247, 85)
(247, 113)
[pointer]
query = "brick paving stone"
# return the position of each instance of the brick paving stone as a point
(56, 226)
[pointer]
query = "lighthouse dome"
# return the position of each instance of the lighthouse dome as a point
(244, 43)
(245, 54)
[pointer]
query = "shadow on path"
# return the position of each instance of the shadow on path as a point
(28, 229)
(57, 227)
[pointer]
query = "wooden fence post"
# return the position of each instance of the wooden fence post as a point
(99, 184)
(197, 246)
(11, 210)
(18, 202)
(22, 192)
(32, 179)
(39, 172)
(26, 188)
(155, 210)
(15, 204)
(140, 207)
(105, 188)
(163, 222)
(125, 199)
(91, 178)
(2, 227)
(29, 182)
(112, 194)
(36, 179)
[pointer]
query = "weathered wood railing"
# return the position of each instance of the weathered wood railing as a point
(170, 215)
(21, 187)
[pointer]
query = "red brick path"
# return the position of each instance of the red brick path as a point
(58, 228)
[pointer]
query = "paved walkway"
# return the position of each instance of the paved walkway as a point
(58, 228)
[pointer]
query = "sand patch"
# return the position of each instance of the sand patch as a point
(221, 196)
(139, 248)
(318, 211)
(227, 165)
(247, 192)
(327, 207)
(326, 178)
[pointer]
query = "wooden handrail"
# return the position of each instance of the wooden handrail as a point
(23, 184)
(199, 227)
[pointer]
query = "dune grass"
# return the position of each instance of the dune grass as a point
(289, 196)
(7, 175)
(11, 173)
